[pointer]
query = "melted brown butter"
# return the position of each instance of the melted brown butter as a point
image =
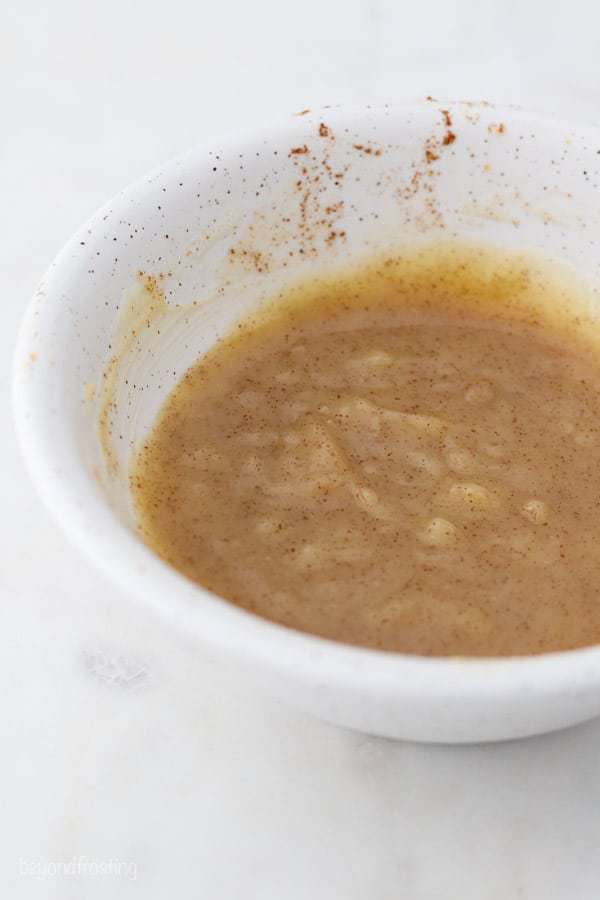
(405, 456)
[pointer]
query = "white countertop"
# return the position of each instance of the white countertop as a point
(132, 765)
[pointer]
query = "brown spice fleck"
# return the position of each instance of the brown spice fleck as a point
(331, 237)
(252, 260)
(303, 207)
(430, 156)
(303, 112)
(447, 118)
(449, 138)
(315, 176)
(365, 148)
(151, 284)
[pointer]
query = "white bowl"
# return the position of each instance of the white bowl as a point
(370, 180)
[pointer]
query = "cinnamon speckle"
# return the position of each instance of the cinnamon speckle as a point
(367, 149)
(334, 235)
(152, 284)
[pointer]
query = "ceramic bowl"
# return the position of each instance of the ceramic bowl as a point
(154, 278)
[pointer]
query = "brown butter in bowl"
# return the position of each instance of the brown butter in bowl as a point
(406, 457)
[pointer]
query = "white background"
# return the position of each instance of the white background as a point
(120, 745)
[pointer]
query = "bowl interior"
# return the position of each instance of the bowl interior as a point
(171, 263)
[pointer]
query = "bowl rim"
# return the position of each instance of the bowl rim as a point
(141, 574)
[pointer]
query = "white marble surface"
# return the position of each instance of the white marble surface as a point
(132, 765)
